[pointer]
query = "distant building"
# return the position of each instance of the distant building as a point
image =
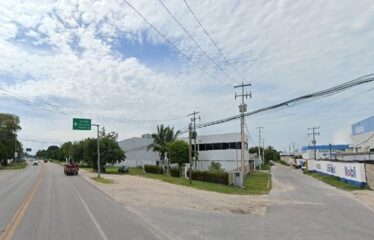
(323, 151)
(136, 151)
(288, 158)
(363, 135)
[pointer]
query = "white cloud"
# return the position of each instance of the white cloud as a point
(285, 48)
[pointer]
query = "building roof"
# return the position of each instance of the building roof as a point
(363, 126)
(340, 147)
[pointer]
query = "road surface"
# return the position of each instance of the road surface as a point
(63, 208)
(71, 208)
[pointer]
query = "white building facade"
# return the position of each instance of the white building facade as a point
(136, 151)
(223, 148)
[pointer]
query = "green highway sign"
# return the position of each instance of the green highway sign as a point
(81, 124)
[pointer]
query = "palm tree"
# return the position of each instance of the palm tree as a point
(161, 139)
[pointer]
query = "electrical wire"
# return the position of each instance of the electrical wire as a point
(193, 39)
(173, 45)
(315, 95)
(214, 43)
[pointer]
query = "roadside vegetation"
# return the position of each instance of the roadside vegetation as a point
(257, 183)
(9, 125)
(102, 180)
(84, 152)
(14, 166)
(335, 181)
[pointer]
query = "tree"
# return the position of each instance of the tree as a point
(271, 154)
(178, 152)
(161, 139)
(9, 125)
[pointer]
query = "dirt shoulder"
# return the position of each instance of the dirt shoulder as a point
(145, 192)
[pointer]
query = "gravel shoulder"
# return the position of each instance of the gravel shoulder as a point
(150, 193)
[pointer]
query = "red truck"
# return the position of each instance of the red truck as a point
(71, 169)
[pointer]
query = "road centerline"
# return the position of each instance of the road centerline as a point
(17, 217)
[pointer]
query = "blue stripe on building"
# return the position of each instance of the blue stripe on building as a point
(338, 147)
(364, 126)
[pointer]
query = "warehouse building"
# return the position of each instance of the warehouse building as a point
(363, 136)
(323, 151)
(223, 148)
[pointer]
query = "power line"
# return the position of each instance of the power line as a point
(214, 43)
(324, 93)
(60, 110)
(196, 43)
(173, 45)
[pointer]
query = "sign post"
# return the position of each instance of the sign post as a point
(85, 124)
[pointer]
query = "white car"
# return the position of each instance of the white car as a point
(35, 163)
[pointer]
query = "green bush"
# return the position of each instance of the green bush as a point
(174, 172)
(153, 169)
(215, 166)
(209, 176)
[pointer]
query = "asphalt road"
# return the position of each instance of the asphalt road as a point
(64, 208)
(71, 208)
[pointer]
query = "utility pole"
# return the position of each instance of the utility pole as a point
(242, 110)
(190, 150)
(98, 149)
(259, 145)
(314, 133)
(194, 134)
(263, 149)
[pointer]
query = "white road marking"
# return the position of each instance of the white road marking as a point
(91, 216)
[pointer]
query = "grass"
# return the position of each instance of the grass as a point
(102, 180)
(14, 166)
(255, 184)
(264, 167)
(335, 181)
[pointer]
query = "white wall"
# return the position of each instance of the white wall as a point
(136, 152)
(354, 171)
(363, 142)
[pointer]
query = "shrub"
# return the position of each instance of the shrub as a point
(209, 176)
(215, 166)
(153, 169)
(174, 172)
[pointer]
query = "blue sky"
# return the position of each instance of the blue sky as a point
(99, 59)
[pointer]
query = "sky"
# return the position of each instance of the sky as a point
(101, 60)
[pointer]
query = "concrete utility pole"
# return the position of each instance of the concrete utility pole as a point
(314, 133)
(259, 145)
(263, 149)
(190, 150)
(194, 135)
(98, 148)
(242, 110)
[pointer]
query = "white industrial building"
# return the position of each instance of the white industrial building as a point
(363, 135)
(136, 151)
(222, 148)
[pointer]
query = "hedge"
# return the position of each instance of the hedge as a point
(209, 176)
(174, 172)
(153, 169)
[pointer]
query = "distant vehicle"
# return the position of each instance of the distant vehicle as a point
(45, 160)
(123, 169)
(71, 168)
(35, 163)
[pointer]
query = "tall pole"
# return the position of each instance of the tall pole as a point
(314, 133)
(194, 135)
(263, 149)
(259, 145)
(190, 150)
(242, 110)
(98, 149)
